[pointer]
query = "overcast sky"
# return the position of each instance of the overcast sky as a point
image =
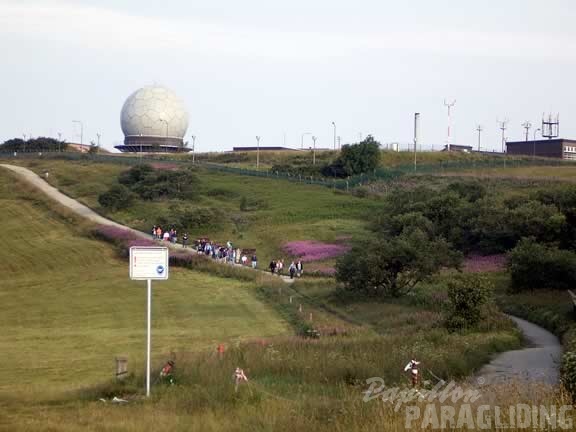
(281, 68)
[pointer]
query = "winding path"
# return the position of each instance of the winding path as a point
(538, 362)
(86, 212)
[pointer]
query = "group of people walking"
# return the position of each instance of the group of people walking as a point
(227, 253)
(168, 235)
(295, 268)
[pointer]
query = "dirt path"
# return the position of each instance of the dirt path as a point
(538, 362)
(84, 211)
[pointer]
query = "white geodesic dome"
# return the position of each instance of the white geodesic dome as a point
(154, 111)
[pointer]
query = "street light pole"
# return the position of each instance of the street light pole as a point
(98, 146)
(257, 153)
(534, 143)
(302, 140)
(193, 148)
(479, 129)
(59, 142)
(334, 124)
(81, 130)
(314, 150)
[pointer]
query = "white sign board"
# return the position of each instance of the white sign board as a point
(148, 263)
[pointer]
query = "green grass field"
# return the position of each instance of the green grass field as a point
(560, 173)
(68, 306)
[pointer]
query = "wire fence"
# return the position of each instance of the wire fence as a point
(379, 174)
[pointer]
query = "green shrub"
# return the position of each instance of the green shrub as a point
(118, 197)
(252, 204)
(468, 294)
(151, 184)
(536, 266)
(569, 372)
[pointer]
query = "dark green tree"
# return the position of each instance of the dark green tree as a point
(354, 159)
(118, 197)
(468, 294)
(391, 267)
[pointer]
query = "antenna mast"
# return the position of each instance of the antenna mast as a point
(449, 105)
(551, 127)
(479, 129)
(527, 125)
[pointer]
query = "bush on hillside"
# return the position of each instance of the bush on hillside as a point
(354, 159)
(118, 197)
(152, 184)
(391, 267)
(40, 144)
(467, 296)
(536, 266)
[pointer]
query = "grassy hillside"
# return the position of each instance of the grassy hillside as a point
(285, 211)
(68, 307)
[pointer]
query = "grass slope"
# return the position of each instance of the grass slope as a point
(291, 211)
(68, 307)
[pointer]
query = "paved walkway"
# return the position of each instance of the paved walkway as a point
(86, 212)
(538, 363)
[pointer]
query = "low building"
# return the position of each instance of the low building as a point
(458, 148)
(559, 148)
(262, 148)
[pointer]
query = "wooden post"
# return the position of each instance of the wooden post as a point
(121, 367)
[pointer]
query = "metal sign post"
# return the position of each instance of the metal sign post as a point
(148, 263)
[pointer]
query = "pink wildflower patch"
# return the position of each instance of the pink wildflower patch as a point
(480, 264)
(310, 250)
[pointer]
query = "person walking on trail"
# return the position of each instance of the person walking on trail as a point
(292, 270)
(299, 268)
(239, 377)
(154, 232)
(279, 266)
(185, 240)
(159, 233)
(254, 261)
(272, 266)
(166, 374)
(412, 366)
(166, 236)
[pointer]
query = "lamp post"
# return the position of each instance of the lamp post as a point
(81, 130)
(302, 140)
(98, 145)
(314, 150)
(257, 153)
(59, 142)
(334, 124)
(193, 148)
(534, 143)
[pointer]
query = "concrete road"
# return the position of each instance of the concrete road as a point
(539, 362)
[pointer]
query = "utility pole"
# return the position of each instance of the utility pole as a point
(479, 129)
(314, 151)
(503, 127)
(59, 142)
(257, 153)
(449, 105)
(193, 148)
(98, 145)
(334, 124)
(534, 143)
(416, 131)
(339, 142)
(527, 125)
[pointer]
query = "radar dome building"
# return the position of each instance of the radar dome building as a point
(153, 120)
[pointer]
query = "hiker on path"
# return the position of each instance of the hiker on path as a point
(279, 266)
(272, 266)
(292, 270)
(299, 268)
(185, 240)
(254, 261)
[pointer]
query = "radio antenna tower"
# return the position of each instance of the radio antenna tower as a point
(449, 105)
(503, 126)
(479, 129)
(551, 127)
(527, 125)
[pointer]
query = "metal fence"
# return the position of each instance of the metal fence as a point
(379, 174)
